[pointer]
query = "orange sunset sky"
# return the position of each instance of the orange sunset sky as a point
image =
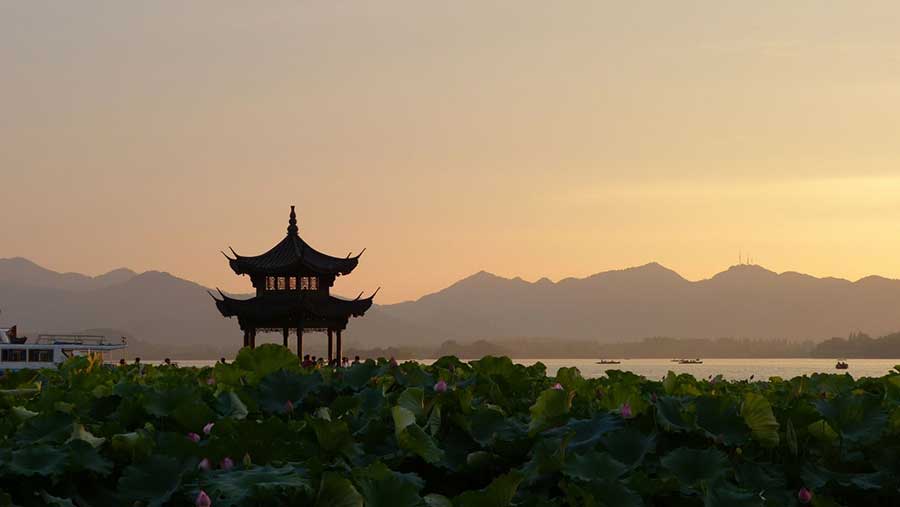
(526, 138)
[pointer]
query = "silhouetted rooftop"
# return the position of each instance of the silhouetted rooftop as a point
(292, 254)
(312, 303)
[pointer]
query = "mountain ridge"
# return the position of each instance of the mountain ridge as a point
(745, 301)
(483, 274)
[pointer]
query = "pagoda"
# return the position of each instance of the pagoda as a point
(293, 283)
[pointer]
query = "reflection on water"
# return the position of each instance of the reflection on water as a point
(735, 369)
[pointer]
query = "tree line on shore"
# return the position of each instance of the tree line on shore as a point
(856, 345)
(860, 345)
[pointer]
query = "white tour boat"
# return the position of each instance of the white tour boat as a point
(48, 351)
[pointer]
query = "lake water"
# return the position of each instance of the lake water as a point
(733, 369)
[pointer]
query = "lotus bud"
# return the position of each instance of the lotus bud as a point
(211, 381)
(203, 500)
(247, 462)
(557, 387)
(625, 411)
(804, 495)
(289, 406)
(193, 437)
(226, 464)
(393, 363)
(208, 428)
(441, 386)
(204, 465)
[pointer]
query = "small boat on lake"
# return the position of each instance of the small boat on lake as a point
(690, 361)
(842, 365)
(608, 361)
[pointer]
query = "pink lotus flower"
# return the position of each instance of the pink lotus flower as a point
(804, 495)
(193, 437)
(203, 500)
(208, 428)
(211, 381)
(625, 410)
(204, 465)
(226, 464)
(289, 406)
(393, 363)
(557, 387)
(441, 386)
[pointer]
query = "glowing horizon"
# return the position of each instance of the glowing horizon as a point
(521, 138)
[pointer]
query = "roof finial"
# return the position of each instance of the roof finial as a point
(292, 223)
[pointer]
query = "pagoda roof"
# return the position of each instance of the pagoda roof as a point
(312, 304)
(292, 254)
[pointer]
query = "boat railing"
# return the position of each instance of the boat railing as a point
(74, 339)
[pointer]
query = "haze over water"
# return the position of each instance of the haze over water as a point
(732, 369)
(525, 138)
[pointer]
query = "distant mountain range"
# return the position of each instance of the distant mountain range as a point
(651, 300)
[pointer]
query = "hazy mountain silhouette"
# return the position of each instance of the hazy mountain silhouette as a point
(24, 272)
(650, 300)
(154, 307)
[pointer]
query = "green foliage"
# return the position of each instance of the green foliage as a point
(499, 493)
(757, 413)
(550, 409)
(695, 466)
(237, 487)
(265, 359)
(382, 487)
(336, 491)
(379, 435)
(153, 481)
(228, 404)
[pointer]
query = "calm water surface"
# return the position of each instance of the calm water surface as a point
(735, 369)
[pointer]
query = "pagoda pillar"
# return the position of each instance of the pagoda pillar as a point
(246, 338)
(300, 342)
(252, 337)
(284, 333)
(330, 347)
(340, 349)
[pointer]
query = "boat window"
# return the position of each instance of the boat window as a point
(292, 283)
(40, 355)
(281, 283)
(13, 356)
